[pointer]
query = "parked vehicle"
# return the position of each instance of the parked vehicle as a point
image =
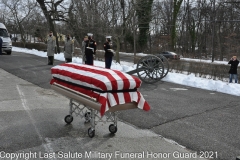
(170, 55)
(7, 43)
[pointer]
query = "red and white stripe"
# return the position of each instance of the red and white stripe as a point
(101, 79)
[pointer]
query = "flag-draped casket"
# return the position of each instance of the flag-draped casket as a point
(108, 87)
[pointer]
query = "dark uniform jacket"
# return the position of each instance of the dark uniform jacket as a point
(91, 44)
(108, 53)
(234, 66)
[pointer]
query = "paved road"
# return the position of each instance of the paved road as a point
(204, 121)
(32, 128)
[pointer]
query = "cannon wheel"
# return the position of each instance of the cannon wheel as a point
(150, 69)
(166, 65)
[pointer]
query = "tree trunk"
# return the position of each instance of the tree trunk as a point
(219, 43)
(117, 50)
(176, 7)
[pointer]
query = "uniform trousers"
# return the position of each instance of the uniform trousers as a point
(89, 59)
(50, 60)
(108, 62)
(68, 60)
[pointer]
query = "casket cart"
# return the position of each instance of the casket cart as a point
(96, 93)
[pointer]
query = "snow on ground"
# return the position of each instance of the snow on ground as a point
(183, 79)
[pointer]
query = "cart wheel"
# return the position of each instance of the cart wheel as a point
(112, 128)
(68, 119)
(91, 132)
(87, 117)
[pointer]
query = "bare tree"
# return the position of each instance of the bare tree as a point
(109, 17)
(19, 12)
(53, 10)
(194, 28)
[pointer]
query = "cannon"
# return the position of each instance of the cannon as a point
(151, 69)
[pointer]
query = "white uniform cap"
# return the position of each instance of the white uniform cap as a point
(90, 34)
(109, 37)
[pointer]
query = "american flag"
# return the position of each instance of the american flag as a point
(109, 87)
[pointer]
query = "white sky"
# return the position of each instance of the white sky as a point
(183, 79)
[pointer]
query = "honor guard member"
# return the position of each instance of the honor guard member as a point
(90, 49)
(108, 52)
(83, 49)
(51, 44)
(68, 49)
